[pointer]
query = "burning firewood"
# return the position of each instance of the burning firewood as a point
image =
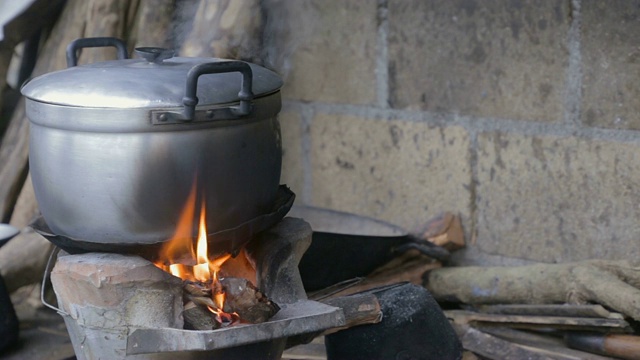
(197, 317)
(247, 301)
(243, 303)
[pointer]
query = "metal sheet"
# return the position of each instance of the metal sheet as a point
(301, 317)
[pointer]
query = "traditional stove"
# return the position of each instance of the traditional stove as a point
(123, 155)
(123, 306)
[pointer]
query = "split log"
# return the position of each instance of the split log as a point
(152, 25)
(14, 154)
(26, 208)
(226, 29)
(614, 284)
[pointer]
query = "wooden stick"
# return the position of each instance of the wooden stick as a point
(358, 310)
(619, 346)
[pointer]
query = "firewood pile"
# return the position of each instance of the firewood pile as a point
(582, 310)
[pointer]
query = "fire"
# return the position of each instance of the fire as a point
(179, 257)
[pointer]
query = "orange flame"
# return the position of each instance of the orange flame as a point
(192, 264)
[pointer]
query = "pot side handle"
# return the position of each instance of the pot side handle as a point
(77, 44)
(190, 100)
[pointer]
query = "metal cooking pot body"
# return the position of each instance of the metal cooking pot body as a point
(130, 187)
(116, 147)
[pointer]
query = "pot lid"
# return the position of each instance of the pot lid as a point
(141, 83)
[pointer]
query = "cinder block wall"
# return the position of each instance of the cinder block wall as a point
(522, 116)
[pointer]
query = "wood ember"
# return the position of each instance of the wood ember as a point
(244, 303)
(197, 317)
(246, 300)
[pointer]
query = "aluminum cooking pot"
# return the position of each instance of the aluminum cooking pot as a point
(117, 146)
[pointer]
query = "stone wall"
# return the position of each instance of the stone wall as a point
(522, 116)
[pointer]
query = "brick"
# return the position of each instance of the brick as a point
(556, 199)
(335, 50)
(132, 289)
(611, 64)
(401, 172)
(504, 59)
(107, 296)
(292, 171)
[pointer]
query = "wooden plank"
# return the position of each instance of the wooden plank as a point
(589, 311)
(491, 347)
(525, 321)
(552, 344)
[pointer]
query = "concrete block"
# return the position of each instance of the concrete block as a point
(556, 199)
(398, 171)
(292, 171)
(335, 50)
(504, 59)
(610, 64)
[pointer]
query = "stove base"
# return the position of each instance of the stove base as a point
(124, 307)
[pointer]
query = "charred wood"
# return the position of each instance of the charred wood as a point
(244, 303)
(247, 301)
(198, 318)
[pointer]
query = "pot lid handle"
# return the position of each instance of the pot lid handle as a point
(190, 100)
(154, 54)
(77, 44)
